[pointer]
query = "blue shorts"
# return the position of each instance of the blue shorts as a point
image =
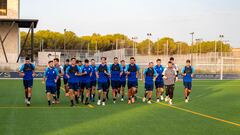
(132, 84)
(115, 84)
(93, 83)
(28, 83)
(103, 86)
(159, 84)
(123, 84)
(73, 86)
(188, 85)
(86, 85)
(149, 87)
(51, 89)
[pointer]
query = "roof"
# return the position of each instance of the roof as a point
(22, 23)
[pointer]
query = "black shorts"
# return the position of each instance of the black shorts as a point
(93, 83)
(115, 84)
(103, 86)
(28, 83)
(51, 89)
(86, 85)
(73, 86)
(170, 87)
(132, 84)
(149, 87)
(65, 81)
(159, 84)
(123, 84)
(187, 85)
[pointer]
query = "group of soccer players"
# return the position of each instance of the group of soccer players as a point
(83, 79)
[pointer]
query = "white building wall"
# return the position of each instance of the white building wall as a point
(13, 10)
(11, 43)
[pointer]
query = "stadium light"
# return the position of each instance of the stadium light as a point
(192, 34)
(221, 39)
(149, 44)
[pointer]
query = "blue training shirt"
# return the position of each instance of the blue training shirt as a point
(149, 74)
(159, 70)
(115, 70)
(189, 71)
(87, 77)
(51, 75)
(103, 78)
(94, 69)
(71, 71)
(80, 77)
(27, 69)
(133, 69)
(123, 76)
(64, 70)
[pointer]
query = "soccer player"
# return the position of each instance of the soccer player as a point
(60, 72)
(132, 71)
(159, 84)
(123, 79)
(169, 76)
(86, 79)
(80, 91)
(51, 77)
(187, 72)
(175, 66)
(26, 71)
(73, 71)
(93, 80)
(116, 72)
(149, 74)
(102, 74)
(65, 79)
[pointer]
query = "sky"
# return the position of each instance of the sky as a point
(135, 18)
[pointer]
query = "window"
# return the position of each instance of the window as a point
(3, 7)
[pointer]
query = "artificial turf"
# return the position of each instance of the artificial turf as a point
(217, 99)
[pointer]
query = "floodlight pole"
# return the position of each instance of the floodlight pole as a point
(192, 34)
(149, 43)
(221, 39)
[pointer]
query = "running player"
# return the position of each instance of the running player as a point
(132, 71)
(169, 76)
(159, 84)
(60, 71)
(175, 66)
(65, 79)
(80, 91)
(102, 74)
(73, 71)
(86, 80)
(149, 74)
(93, 81)
(187, 72)
(51, 76)
(116, 72)
(123, 79)
(26, 71)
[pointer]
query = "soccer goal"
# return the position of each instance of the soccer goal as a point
(230, 68)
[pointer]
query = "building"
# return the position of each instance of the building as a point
(10, 23)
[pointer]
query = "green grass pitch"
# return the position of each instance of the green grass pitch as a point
(214, 109)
